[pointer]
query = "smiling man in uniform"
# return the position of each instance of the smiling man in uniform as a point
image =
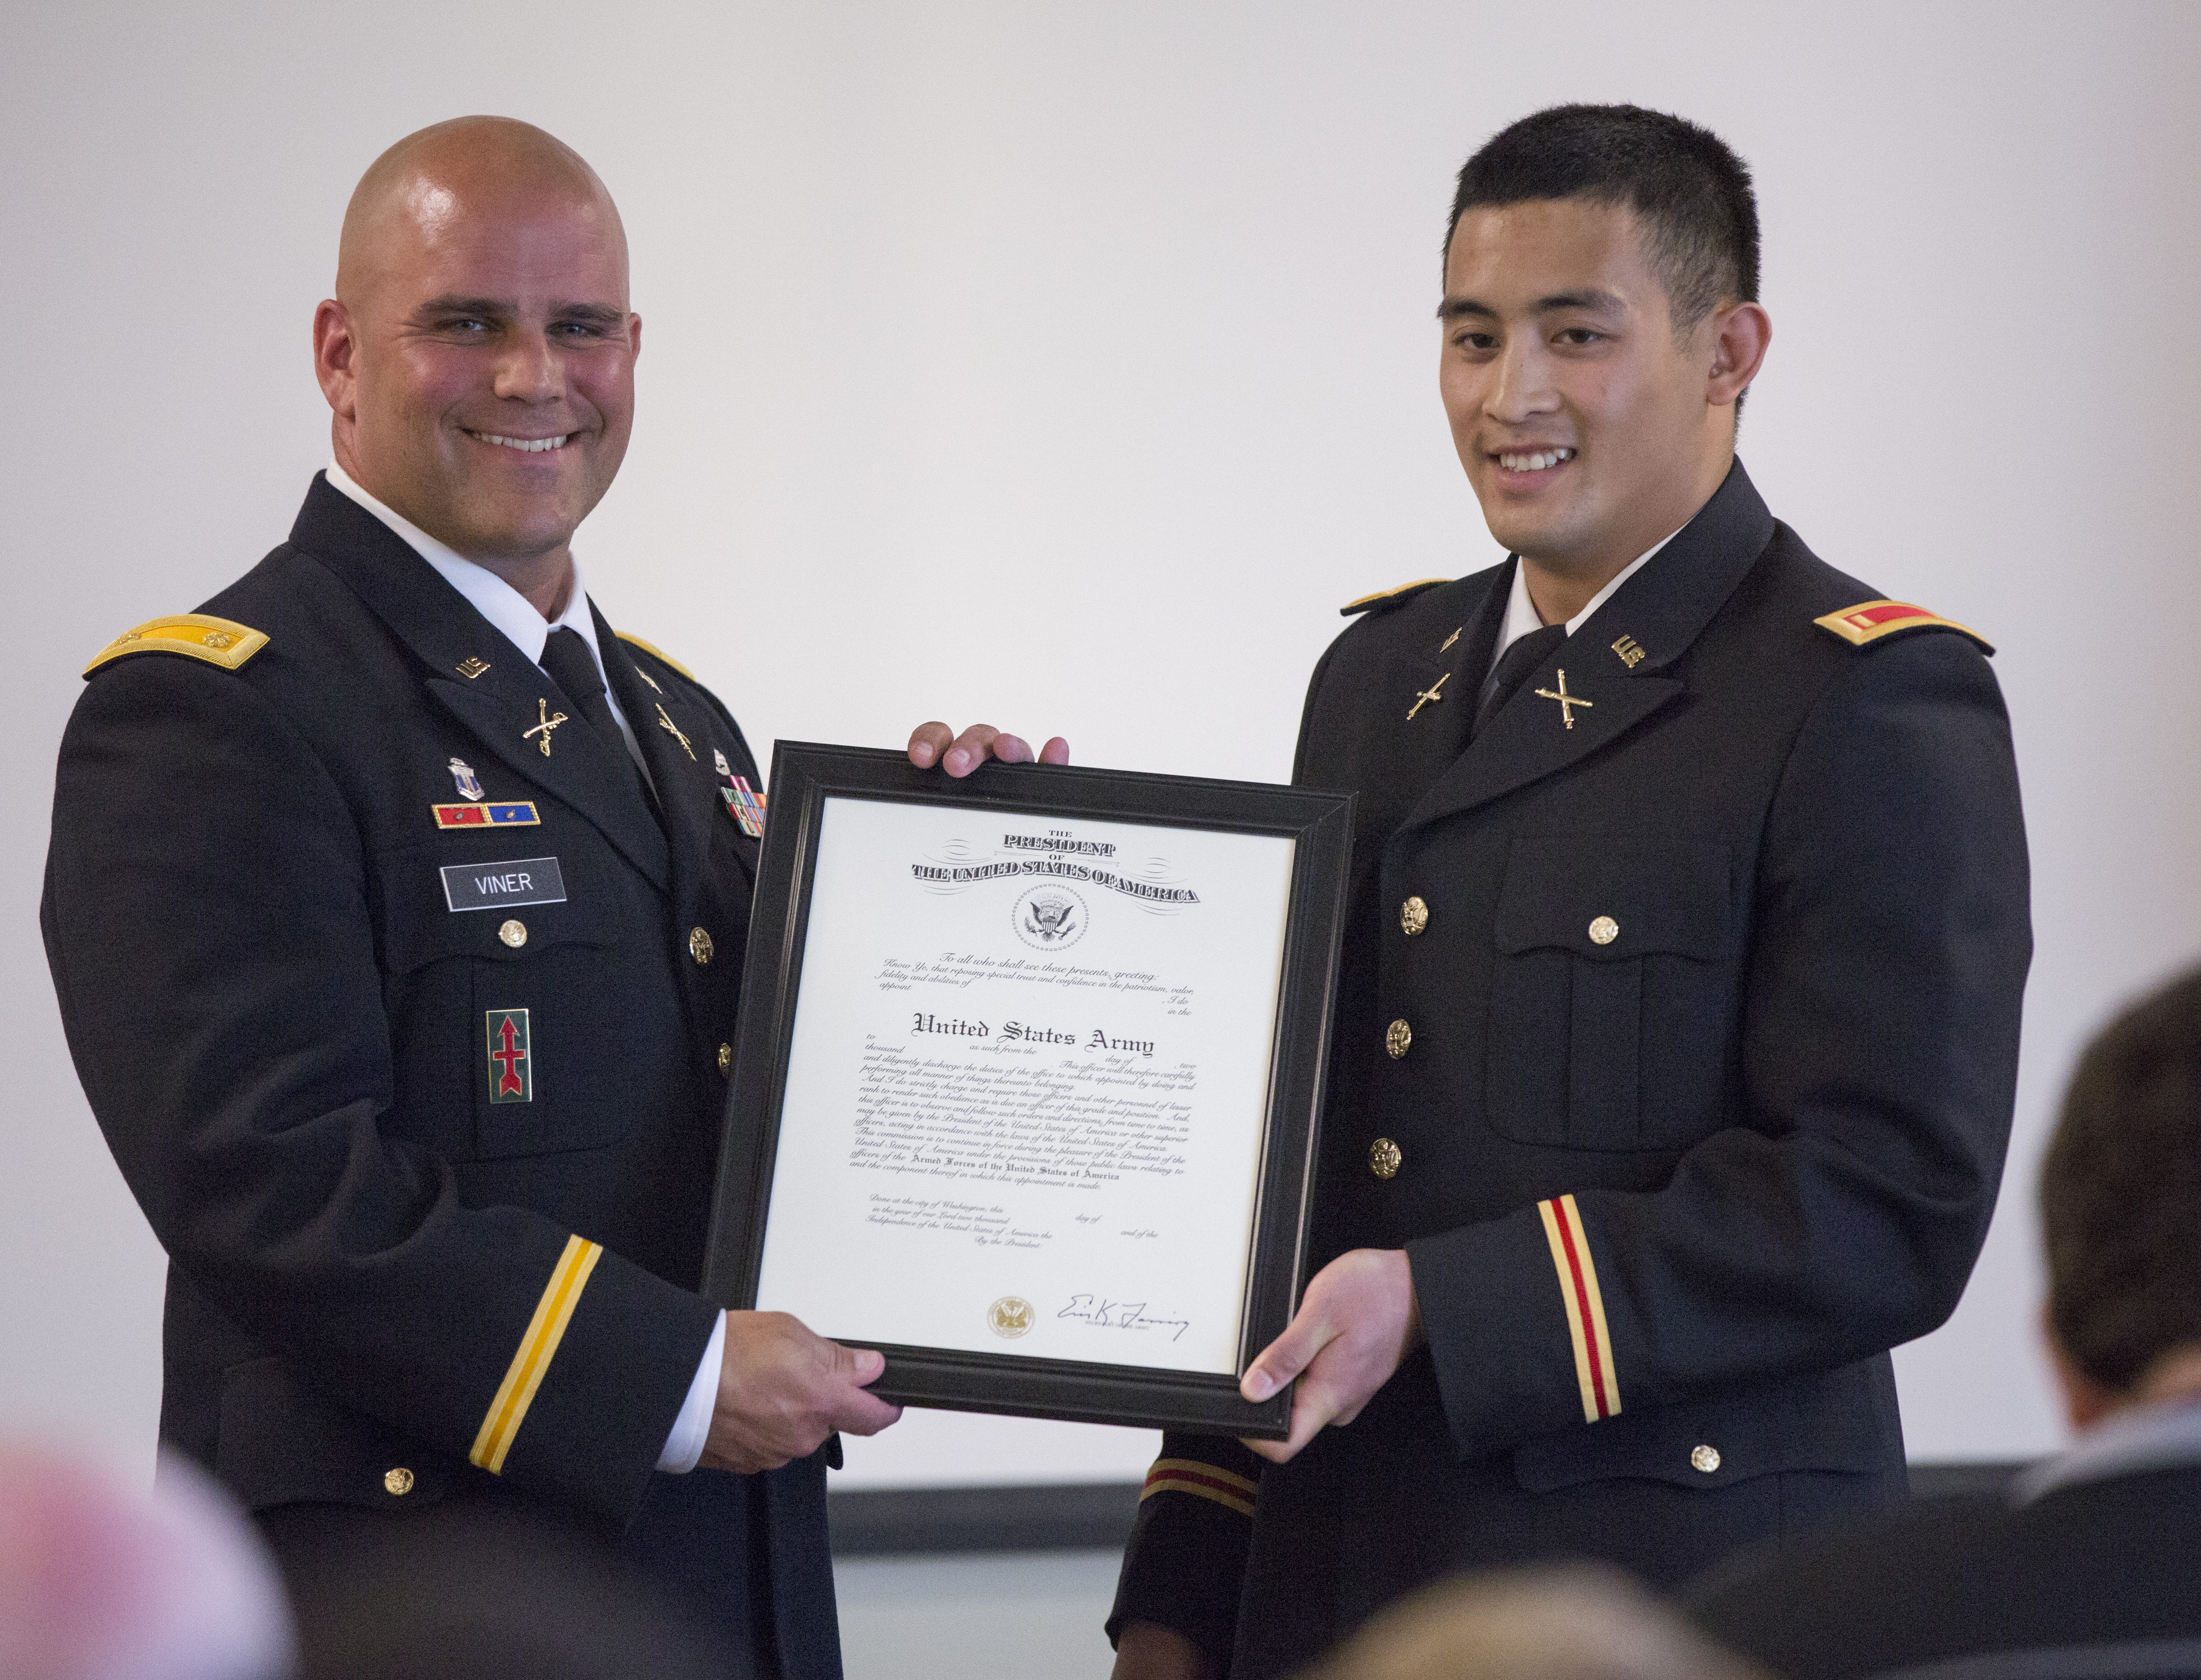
(397, 907)
(1677, 1035)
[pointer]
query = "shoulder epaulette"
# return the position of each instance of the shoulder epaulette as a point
(657, 653)
(1389, 597)
(1871, 621)
(221, 642)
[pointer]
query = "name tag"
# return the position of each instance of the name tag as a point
(484, 886)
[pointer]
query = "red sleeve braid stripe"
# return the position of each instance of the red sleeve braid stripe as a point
(1202, 1481)
(1585, 1307)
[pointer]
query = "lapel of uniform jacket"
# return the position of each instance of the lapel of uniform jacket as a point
(1656, 613)
(500, 704)
(683, 774)
(1432, 736)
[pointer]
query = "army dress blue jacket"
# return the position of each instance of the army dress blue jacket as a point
(406, 1019)
(1676, 1046)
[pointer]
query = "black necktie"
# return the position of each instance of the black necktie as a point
(567, 657)
(1514, 665)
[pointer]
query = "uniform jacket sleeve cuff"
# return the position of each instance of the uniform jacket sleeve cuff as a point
(1185, 1567)
(1516, 1327)
(683, 1447)
(611, 1394)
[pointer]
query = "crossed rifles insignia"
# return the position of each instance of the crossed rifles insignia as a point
(1567, 702)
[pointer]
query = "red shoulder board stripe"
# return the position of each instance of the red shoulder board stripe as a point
(1869, 620)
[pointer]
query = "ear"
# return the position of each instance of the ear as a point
(1740, 333)
(2086, 1402)
(334, 353)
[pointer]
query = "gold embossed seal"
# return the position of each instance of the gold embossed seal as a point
(1011, 1316)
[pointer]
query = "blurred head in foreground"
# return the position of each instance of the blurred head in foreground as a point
(2121, 1213)
(1576, 1622)
(103, 1581)
(465, 1592)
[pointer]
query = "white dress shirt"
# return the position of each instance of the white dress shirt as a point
(1520, 616)
(2163, 1436)
(527, 630)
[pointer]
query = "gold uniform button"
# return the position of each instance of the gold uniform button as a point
(1413, 916)
(1396, 1037)
(514, 934)
(725, 1058)
(1705, 1458)
(699, 945)
(398, 1481)
(1604, 931)
(1384, 1158)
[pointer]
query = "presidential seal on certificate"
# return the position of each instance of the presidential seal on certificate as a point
(1028, 1076)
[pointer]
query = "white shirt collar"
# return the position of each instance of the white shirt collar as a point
(496, 600)
(2152, 1437)
(1520, 616)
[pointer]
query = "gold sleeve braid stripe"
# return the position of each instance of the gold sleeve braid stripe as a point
(1202, 1481)
(1600, 1383)
(525, 1375)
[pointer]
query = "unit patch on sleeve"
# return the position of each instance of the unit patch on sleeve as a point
(1868, 621)
(511, 1057)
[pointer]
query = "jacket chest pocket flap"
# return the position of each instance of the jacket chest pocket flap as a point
(1611, 993)
(496, 1014)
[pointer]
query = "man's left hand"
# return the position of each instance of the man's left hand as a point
(931, 744)
(1357, 1319)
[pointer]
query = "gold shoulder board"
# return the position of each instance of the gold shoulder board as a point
(658, 653)
(1383, 595)
(1869, 620)
(222, 642)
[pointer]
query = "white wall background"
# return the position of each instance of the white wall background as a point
(1068, 364)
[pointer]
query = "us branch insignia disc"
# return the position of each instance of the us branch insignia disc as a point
(1011, 1317)
(1050, 918)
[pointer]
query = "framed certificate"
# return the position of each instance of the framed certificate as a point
(1027, 1080)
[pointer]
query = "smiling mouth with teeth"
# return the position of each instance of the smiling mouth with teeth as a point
(1533, 460)
(525, 445)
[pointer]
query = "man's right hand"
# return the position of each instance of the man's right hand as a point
(781, 1390)
(1149, 1651)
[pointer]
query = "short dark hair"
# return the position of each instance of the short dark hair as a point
(1690, 189)
(2121, 1192)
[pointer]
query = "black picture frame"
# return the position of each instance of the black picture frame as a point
(804, 776)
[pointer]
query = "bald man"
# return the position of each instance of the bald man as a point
(396, 903)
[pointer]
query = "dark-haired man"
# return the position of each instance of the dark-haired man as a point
(1678, 1030)
(2088, 1565)
(395, 906)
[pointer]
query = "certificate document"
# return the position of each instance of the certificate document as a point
(1024, 1083)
